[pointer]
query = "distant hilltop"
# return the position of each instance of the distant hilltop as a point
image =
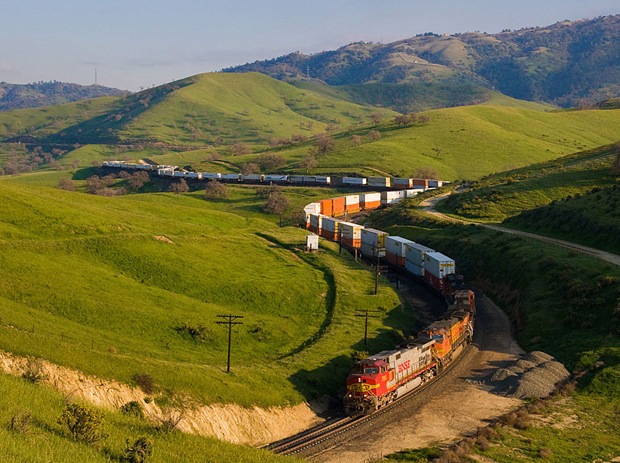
(36, 94)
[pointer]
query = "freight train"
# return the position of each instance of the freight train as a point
(383, 183)
(381, 378)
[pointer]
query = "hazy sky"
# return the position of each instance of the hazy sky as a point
(140, 43)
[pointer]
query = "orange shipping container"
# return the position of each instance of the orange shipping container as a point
(326, 207)
(337, 206)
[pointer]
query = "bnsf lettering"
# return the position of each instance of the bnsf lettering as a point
(404, 366)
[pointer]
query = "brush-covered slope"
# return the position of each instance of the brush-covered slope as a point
(36, 94)
(131, 285)
(567, 63)
(215, 109)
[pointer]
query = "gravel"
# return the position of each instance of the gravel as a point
(534, 375)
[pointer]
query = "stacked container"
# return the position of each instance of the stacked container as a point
(330, 229)
(379, 181)
(338, 206)
(326, 207)
(370, 201)
(211, 175)
(403, 183)
(231, 176)
(373, 242)
(352, 203)
(350, 234)
(436, 267)
(420, 183)
(316, 223)
(414, 258)
(435, 183)
(392, 197)
(395, 250)
(312, 208)
(358, 181)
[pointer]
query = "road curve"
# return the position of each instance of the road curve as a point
(428, 206)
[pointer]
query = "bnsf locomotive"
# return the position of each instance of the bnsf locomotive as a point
(381, 378)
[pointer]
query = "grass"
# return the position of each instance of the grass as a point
(46, 440)
(117, 277)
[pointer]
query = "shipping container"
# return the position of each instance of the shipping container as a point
(379, 181)
(230, 177)
(211, 175)
(316, 223)
(178, 173)
(326, 207)
(411, 193)
(403, 183)
(435, 183)
(420, 182)
(276, 178)
(324, 180)
(330, 228)
(414, 269)
(414, 253)
(251, 177)
(392, 197)
(395, 250)
(350, 234)
(438, 264)
(296, 178)
(370, 201)
(353, 181)
(165, 172)
(195, 175)
(338, 206)
(373, 242)
(352, 203)
(433, 281)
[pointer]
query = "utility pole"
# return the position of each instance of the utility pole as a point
(231, 320)
(365, 314)
(378, 270)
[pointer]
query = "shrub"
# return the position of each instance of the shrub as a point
(34, 371)
(140, 451)
(145, 382)
(84, 424)
(133, 408)
(215, 190)
(199, 333)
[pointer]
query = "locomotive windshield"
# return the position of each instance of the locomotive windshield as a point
(371, 371)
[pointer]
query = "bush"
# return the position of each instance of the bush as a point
(215, 190)
(145, 382)
(20, 423)
(133, 408)
(140, 451)
(84, 424)
(34, 371)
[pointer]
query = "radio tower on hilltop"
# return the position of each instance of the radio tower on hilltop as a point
(95, 76)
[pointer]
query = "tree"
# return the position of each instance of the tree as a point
(374, 135)
(324, 144)
(404, 120)
(376, 118)
(140, 451)
(66, 184)
(179, 187)
(84, 424)
(356, 140)
(277, 203)
(426, 172)
(215, 190)
(308, 162)
(137, 180)
(271, 162)
(250, 168)
(240, 148)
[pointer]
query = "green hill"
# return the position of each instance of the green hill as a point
(217, 109)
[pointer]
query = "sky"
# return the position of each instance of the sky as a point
(136, 44)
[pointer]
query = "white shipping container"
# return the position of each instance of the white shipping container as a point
(410, 193)
(417, 270)
(373, 242)
(193, 175)
(276, 178)
(434, 183)
(414, 253)
(178, 173)
(323, 179)
(438, 264)
(296, 178)
(351, 200)
(313, 208)
(396, 245)
(211, 175)
(330, 224)
(252, 177)
(350, 230)
(230, 176)
(354, 181)
(165, 172)
(406, 182)
(316, 221)
(392, 197)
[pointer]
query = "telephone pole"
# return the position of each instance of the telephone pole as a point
(378, 269)
(231, 320)
(365, 314)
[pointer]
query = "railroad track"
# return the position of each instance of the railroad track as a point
(338, 430)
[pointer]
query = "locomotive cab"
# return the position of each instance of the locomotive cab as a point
(365, 386)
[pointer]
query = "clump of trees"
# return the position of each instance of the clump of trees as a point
(277, 202)
(179, 187)
(84, 424)
(215, 190)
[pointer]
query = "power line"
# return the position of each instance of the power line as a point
(231, 320)
(365, 314)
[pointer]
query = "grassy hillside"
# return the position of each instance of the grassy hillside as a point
(119, 278)
(560, 302)
(468, 142)
(573, 197)
(219, 109)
